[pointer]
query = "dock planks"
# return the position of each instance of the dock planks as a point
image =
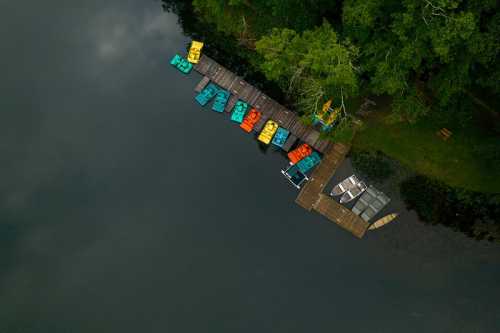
(202, 84)
(240, 89)
(311, 196)
(340, 215)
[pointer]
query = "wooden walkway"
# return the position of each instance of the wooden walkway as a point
(311, 196)
(240, 89)
(344, 217)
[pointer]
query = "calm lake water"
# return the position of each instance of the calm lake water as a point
(125, 207)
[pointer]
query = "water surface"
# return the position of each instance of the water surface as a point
(125, 207)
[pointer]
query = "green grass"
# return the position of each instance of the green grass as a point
(456, 162)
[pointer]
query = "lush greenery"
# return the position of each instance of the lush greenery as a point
(457, 162)
(372, 165)
(474, 213)
(428, 54)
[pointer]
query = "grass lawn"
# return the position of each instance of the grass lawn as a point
(455, 162)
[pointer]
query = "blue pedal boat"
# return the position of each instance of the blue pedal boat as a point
(280, 137)
(181, 64)
(295, 176)
(220, 100)
(309, 162)
(239, 110)
(207, 94)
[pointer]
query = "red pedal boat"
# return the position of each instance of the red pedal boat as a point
(299, 153)
(250, 120)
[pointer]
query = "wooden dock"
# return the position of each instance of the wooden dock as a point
(240, 89)
(344, 217)
(311, 196)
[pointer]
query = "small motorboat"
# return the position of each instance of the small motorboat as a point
(267, 133)
(299, 153)
(181, 64)
(353, 193)
(366, 199)
(207, 94)
(280, 137)
(344, 185)
(381, 200)
(239, 110)
(383, 221)
(250, 120)
(294, 175)
(195, 52)
(309, 162)
(220, 100)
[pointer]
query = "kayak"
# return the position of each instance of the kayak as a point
(383, 221)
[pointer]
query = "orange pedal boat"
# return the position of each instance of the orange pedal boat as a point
(250, 120)
(299, 153)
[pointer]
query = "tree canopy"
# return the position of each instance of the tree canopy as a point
(427, 54)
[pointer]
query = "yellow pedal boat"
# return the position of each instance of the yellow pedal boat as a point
(195, 52)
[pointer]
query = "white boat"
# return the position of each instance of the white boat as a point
(375, 206)
(367, 198)
(383, 221)
(344, 185)
(353, 193)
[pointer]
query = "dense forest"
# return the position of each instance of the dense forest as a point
(430, 56)
(425, 64)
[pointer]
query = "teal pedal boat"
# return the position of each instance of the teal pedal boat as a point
(280, 137)
(309, 162)
(207, 94)
(181, 64)
(220, 100)
(239, 110)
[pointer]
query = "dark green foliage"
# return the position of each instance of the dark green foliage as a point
(473, 213)
(374, 166)
(425, 53)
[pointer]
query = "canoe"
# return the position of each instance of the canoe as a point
(299, 153)
(195, 52)
(239, 110)
(294, 175)
(267, 133)
(383, 221)
(280, 137)
(309, 162)
(207, 94)
(353, 193)
(220, 100)
(344, 185)
(250, 120)
(181, 64)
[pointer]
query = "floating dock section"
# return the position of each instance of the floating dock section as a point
(311, 196)
(240, 89)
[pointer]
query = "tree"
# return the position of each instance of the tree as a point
(310, 65)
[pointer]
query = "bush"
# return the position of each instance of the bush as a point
(374, 166)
